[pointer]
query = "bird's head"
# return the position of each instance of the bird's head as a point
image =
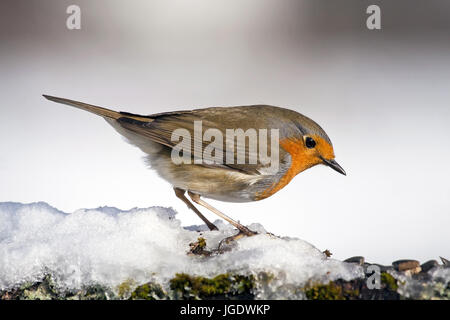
(312, 146)
(318, 150)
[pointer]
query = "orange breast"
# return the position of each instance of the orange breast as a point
(301, 159)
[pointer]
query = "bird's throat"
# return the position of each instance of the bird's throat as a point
(301, 159)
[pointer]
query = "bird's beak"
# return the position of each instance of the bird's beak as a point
(334, 165)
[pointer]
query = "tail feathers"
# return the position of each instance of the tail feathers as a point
(88, 107)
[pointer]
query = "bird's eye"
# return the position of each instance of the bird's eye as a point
(310, 143)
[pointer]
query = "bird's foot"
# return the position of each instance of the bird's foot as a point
(243, 232)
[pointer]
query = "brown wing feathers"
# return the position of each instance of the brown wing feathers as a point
(159, 127)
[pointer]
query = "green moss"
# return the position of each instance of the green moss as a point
(94, 292)
(148, 291)
(389, 281)
(185, 286)
(42, 290)
(338, 290)
(199, 248)
(244, 284)
(329, 291)
(124, 289)
(38, 293)
(351, 294)
(201, 242)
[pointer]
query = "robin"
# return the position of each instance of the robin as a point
(301, 144)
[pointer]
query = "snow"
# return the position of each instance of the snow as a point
(108, 246)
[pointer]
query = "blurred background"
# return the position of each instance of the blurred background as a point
(381, 95)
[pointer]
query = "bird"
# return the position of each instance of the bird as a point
(300, 143)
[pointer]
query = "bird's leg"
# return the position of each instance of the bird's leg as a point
(180, 194)
(243, 229)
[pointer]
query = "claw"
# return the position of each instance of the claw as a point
(243, 232)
